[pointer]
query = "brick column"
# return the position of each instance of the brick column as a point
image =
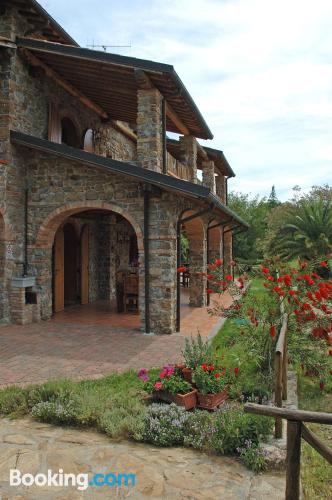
(188, 146)
(221, 187)
(149, 129)
(208, 175)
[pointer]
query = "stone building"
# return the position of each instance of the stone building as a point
(90, 183)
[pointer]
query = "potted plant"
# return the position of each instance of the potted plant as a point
(196, 352)
(170, 387)
(212, 385)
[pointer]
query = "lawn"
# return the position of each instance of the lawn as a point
(316, 473)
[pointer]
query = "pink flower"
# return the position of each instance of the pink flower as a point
(143, 375)
(158, 386)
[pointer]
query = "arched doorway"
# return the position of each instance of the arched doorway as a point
(69, 133)
(94, 251)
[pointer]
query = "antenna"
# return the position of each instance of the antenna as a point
(105, 47)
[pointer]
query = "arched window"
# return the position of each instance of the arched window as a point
(88, 141)
(69, 134)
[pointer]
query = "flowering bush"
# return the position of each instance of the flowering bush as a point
(209, 380)
(252, 456)
(163, 425)
(167, 380)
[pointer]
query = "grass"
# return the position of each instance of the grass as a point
(111, 404)
(316, 473)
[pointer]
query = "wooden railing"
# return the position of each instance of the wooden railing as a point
(280, 371)
(295, 430)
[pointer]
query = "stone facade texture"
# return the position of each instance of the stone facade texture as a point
(59, 190)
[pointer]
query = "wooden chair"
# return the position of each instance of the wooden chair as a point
(130, 292)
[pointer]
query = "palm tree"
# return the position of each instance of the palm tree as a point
(307, 232)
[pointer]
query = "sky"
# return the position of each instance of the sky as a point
(260, 71)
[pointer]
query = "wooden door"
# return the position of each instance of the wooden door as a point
(58, 270)
(85, 265)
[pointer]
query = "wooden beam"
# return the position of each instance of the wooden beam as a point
(34, 61)
(171, 114)
(317, 417)
(293, 460)
(121, 127)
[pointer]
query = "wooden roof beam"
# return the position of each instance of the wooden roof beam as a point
(34, 61)
(171, 115)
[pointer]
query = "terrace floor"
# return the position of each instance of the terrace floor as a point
(91, 341)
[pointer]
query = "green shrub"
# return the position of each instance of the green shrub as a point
(252, 457)
(234, 428)
(163, 425)
(58, 411)
(197, 351)
(199, 430)
(13, 401)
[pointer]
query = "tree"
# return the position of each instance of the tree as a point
(273, 200)
(306, 232)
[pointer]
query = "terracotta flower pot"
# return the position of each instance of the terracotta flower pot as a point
(187, 374)
(188, 400)
(212, 401)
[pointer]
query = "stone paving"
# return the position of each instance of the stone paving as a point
(162, 473)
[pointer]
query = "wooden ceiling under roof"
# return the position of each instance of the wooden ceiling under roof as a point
(42, 24)
(110, 81)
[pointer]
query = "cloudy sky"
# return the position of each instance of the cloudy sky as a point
(259, 70)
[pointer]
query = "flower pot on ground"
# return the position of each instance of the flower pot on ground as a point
(212, 385)
(170, 387)
(196, 351)
(187, 374)
(188, 400)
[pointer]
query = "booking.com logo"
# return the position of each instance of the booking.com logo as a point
(80, 481)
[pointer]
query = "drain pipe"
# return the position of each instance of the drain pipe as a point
(178, 259)
(147, 259)
(26, 200)
(163, 127)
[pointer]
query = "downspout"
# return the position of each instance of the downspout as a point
(178, 260)
(26, 202)
(147, 259)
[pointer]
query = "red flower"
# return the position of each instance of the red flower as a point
(209, 290)
(236, 370)
(306, 306)
(292, 293)
(265, 270)
(158, 386)
(228, 277)
(321, 386)
(273, 331)
(270, 278)
(210, 277)
(181, 269)
(210, 368)
(204, 366)
(218, 262)
(217, 375)
(323, 264)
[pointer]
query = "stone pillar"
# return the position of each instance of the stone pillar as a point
(149, 129)
(228, 251)
(221, 187)
(208, 175)
(188, 146)
(198, 266)
(215, 244)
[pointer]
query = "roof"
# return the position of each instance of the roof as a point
(163, 181)
(110, 81)
(37, 16)
(221, 163)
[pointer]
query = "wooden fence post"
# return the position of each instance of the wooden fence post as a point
(284, 370)
(293, 460)
(278, 392)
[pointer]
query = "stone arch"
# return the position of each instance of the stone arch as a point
(195, 231)
(42, 249)
(54, 220)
